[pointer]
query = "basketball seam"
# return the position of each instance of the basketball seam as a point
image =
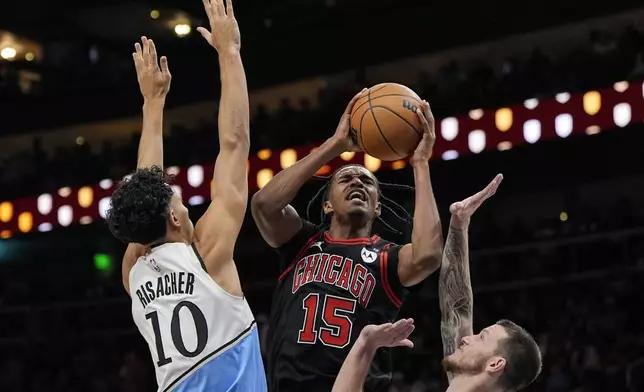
(364, 148)
(353, 110)
(386, 95)
(375, 120)
(402, 118)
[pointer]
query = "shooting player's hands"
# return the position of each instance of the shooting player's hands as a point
(154, 80)
(463, 210)
(426, 145)
(388, 335)
(224, 33)
(343, 137)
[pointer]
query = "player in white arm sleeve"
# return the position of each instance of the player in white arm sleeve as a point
(187, 300)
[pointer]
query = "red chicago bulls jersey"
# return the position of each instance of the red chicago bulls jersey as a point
(328, 291)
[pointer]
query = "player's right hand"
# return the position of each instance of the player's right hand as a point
(224, 32)
(388, 335)
(463, 210)
(154, 80)
(343, 137)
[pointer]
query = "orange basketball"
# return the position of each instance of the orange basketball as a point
(384, 122)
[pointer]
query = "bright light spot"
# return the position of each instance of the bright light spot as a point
(620, 87)
(8, 53)
(476, 141)
(504, 146)
(196, 200)
(105, 184)
(503, 119)
(127, 177)
(622, 114)
(562, 97)
(44, 227)
(86, 220)
(450, 155)
(182, 29)
(80, 140)
(592, 102)
(531, 103)
(45, 202)
(25, 222)
(103, 206)
(195, 175)
(372, 164)
(65, 215)
(6, 211)
(64, 191)
(347, 155)
(4, 234)
(449, 128)
(154, 14)
(288, 158)
(264, 154)
(30, 56)
(85, 196)
(563, 216)
(476, 114)
(563, 125)
(173, 170)
(397, 165)
(263, 177)
(532, 131)
(593, 130)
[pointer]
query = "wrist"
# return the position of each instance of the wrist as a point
(363, 346)
(457, 224)
(228, 52)
(333, 147)
(153, 103)
(420, 165)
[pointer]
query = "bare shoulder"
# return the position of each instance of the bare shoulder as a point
(222, 272)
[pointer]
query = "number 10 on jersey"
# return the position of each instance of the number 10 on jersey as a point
(335, 315)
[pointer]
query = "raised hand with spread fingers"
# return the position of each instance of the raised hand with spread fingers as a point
(224, 32)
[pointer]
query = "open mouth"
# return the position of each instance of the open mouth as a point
(357, 194)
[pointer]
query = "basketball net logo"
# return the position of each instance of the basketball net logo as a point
(154, 264)
(368, 256)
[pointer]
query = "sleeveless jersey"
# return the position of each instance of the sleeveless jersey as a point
(328, 291)
(201, 338)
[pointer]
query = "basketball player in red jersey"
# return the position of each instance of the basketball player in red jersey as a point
(336, 281)
(503, 357)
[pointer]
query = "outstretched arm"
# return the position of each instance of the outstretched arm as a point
(216, 232)
(356, 366)
(423, 256)
(276, 219)
(454, 284)
(154, 82)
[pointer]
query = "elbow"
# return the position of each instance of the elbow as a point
(259, 205)
(238, 139)
(428, 262)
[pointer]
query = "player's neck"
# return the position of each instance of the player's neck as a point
(341, 231)
(471, 383)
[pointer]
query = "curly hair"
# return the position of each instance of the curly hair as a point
(140, 206)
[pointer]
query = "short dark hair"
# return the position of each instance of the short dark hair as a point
(140, 206)
(522, 357)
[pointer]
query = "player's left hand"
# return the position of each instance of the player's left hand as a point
(426, 145)
(463, 210)
(224, 32)
(154, 80)
(388, 335)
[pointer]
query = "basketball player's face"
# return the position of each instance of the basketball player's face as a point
(354, 192)
(477, 353)
(181, 218)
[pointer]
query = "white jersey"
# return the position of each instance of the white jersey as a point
(200, 337)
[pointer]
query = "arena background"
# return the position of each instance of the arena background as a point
(548, 93)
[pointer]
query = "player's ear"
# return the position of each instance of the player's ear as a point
(378, 209)
(328, 208)
(174, 219)
(495, 365)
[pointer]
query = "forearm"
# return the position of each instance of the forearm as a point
(151, 142)
(283, 188)
(455, 291)
(426, 236)
(234, 122)
(355, 368)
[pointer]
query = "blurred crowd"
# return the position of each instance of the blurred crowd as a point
(453, 90)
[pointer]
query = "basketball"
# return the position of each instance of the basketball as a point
(384, 123)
